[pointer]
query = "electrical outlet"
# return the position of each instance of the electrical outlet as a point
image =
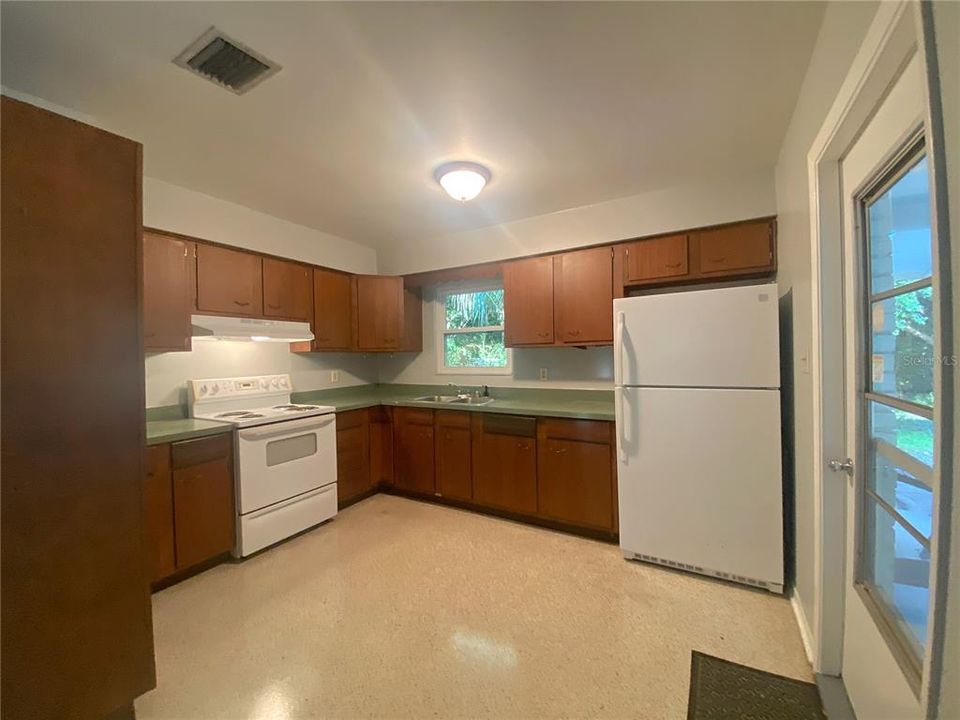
(543, 373)
(334, 376)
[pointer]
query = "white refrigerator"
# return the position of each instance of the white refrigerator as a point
(697, 378)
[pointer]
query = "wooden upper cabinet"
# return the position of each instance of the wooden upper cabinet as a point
(168, 292)
(736, 249)
(453, 453)
(332, 310)
(528, 301)
(412, 320)
(229, 282)
(380, 319)
(656, 259)
(287, 290)
(583, 291)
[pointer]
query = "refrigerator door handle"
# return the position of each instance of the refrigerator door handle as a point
(621, 425)
(618, 347)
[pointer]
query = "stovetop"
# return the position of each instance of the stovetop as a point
(247, 401)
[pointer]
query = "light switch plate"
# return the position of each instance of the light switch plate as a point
(334, 376)
(543, 373)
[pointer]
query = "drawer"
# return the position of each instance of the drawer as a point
(596, 431)
(351, 419)
(453, 418)
(510, 425)
(194, 452)
(416, 416)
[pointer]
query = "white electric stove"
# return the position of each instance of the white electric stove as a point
(285, 456)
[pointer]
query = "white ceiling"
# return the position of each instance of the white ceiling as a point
(567, 103)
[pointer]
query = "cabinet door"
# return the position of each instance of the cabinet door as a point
(656, 259)
(167, 292)
(412, 320)
(505, 464)
(332, 310)
(287, 290)
(736, 249)
(381, 445)
(379, 312)
(229, 282)
(158, 513)
(575, 470)
(203, 506)
(353, 454)
(584, 296)
(414, 449)
(528, 301)
(454, 471)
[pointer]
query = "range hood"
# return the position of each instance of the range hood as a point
(216, 327)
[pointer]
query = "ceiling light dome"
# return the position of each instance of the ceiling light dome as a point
(462, 180)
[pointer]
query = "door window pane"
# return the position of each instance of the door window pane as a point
(897, 569)
(905, 493)
(908, 432)
(901, 346)
(900, 240)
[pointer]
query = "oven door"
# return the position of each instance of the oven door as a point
(279, 461)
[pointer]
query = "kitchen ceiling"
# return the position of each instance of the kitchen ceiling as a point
(568, 104)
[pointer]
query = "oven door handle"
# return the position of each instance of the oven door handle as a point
(286, 427)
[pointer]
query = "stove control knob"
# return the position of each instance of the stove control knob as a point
(203, 389)
(214, 389)
(273, 382)
(284, 384)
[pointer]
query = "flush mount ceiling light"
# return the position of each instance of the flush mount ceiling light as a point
(462, 180)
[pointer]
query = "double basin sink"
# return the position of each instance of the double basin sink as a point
(454, 400)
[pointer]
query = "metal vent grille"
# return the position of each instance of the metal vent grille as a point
(226, 62)
(707, 571)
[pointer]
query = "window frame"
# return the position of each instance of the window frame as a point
(441, 331)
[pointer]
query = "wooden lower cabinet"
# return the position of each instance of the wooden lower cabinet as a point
(453, 455)
(575, 472)
(414, 450)
(505, 462)
(189, 510)
(158, 513)
(353, 455)
(381, 446)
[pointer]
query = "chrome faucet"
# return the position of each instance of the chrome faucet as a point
(457, 390)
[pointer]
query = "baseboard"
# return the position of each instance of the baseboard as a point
(806, 635)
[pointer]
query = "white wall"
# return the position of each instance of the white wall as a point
(843, 29)
(167, 373)
(571, 368)
(713, 201)
(177, 209)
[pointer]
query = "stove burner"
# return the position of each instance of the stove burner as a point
(242, 414)
(295, 408)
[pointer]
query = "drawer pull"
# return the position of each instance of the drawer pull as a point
(272, 306)
(673, 266)
(241, 304)
(718, 259)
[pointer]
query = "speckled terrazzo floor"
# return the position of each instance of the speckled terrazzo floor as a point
(401, 609)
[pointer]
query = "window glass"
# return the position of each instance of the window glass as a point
(908, 432)
(901, 346)
(472, 331)
(474, 309)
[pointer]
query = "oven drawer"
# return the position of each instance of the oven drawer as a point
(272, 524)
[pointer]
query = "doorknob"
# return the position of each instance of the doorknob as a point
(842, 466)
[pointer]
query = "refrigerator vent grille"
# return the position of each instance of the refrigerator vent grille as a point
(703, 571)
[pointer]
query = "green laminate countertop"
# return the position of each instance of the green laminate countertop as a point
(170, 424)
(578, 404)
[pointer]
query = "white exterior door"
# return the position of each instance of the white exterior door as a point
(889, 398)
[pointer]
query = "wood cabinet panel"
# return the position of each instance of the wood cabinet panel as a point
(528, 301)
(203, 502)
(414, 450)
(583, 294)
(332, 310)
(77, 638)
(353, 454)
(168, 292)
(735, 249)
(453, 455)
(656, 259)
(412, 320)
(575, 473)
(381, 445)
(158, 513)
(287, 290)
(229, 282)
(380, 319)
(504, 470)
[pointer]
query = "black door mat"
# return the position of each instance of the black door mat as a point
(724, 690)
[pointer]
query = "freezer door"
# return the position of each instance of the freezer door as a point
(705, 338)
(700, 479)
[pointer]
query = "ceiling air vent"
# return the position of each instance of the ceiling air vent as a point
(226, 62)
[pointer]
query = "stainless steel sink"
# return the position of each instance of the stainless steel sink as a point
(454, 399)
(437, 398)
(471, 400)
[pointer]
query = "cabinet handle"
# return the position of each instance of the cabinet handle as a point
(320, 339)
(543, 334)
(673, 266)
(272, 306)
(241, 304)
(560, 451)
(523, 446)
(573, 333)
(718, 259)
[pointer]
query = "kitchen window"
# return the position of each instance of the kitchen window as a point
(470, 330)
